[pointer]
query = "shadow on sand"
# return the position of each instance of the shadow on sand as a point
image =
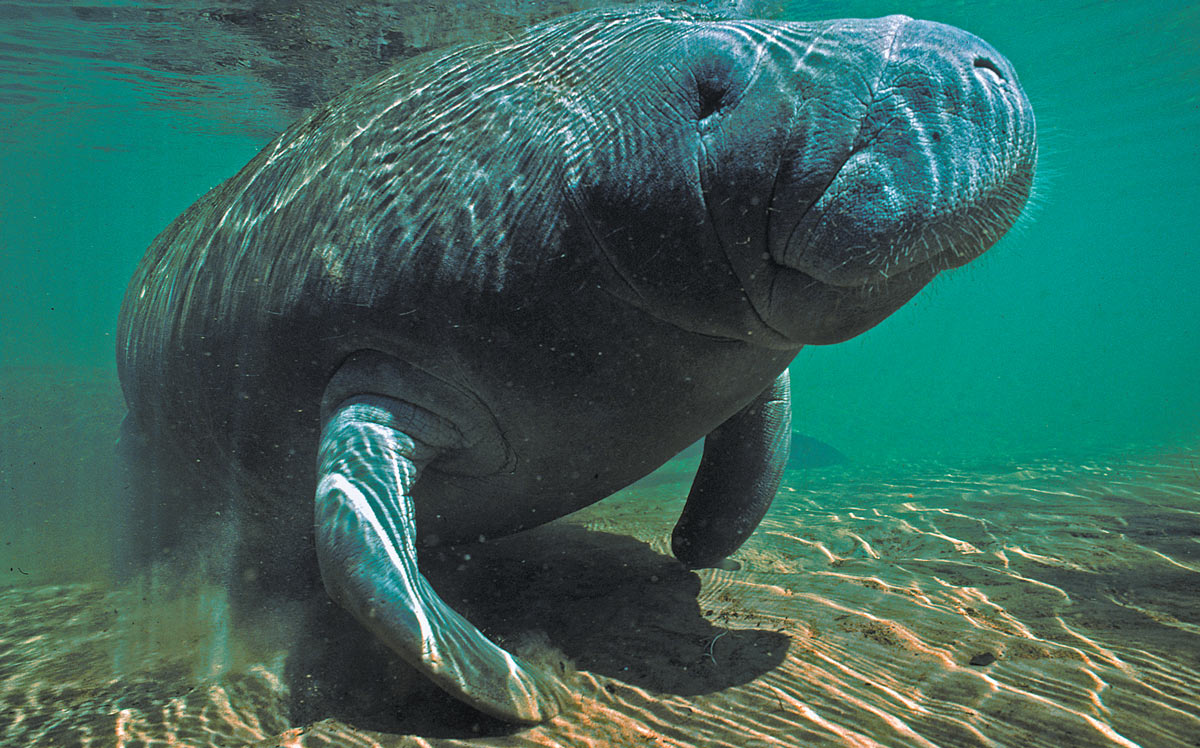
(560, 595)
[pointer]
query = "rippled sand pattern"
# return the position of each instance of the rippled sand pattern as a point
(1052, 604)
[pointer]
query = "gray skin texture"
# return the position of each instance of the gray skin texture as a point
(496, 284)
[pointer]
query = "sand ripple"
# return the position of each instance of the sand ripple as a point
(1047, 604)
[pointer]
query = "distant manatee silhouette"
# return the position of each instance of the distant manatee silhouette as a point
(810, 452)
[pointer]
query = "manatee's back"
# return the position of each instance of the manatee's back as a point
(386, 214)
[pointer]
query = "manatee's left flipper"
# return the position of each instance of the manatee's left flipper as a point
(372, 452)
(739, 474)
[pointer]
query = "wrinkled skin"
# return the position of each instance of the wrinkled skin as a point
(496, 284)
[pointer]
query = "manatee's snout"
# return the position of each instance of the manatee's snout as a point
(940, 167)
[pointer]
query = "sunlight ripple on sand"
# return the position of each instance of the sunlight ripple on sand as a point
(1038, 605)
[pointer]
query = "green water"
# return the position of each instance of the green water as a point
(1076, 333)
(1080, 329)
(1061, 364)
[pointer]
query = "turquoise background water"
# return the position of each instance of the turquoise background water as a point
(1077, 333)
(1074, 339)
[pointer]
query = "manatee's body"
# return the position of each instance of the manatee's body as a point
(495, 285)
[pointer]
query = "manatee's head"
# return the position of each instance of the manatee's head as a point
(908, 148)
(843, 164)
(933, 163)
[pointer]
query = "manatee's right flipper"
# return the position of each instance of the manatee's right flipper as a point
(372, 451)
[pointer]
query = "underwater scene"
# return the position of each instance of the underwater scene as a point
(986, 531)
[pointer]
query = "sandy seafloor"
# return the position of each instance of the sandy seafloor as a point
(1047, 603)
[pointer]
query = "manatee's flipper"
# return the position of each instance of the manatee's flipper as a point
(372, 452)
(739, 474)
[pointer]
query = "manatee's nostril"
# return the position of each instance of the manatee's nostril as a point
(986, 64)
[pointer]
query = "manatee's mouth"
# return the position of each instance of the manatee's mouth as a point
(843, 272)
(939, 168)
(914, 275)
(859, 234)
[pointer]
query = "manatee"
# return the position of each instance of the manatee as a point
(811, 452)
(495, 284)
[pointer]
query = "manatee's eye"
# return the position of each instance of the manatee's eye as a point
(721, 71)
(986, 64)
(711, 94)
